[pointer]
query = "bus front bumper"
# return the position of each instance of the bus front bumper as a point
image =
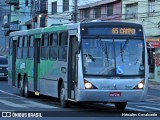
(110, 95)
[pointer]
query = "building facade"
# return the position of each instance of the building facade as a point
(25, 14)
(101, 10)
(147, 12)
(5, 11)
(60, 12)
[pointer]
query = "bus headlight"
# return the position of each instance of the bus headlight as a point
(140, 85)
(89, 85)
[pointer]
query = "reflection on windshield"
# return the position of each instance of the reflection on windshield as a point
(113, 57)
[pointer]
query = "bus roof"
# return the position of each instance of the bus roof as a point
(60, 27)
(38, 31)
(111, 23)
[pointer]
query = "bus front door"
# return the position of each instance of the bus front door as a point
(14, 55)
(72, 67)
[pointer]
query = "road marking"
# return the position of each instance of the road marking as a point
(152, 99)
(135, 109)
(152, 96)
(147, 103)
(129, 108)
(6, 97)
(4, 110)
(8, 103)
(11, 94)
(153, 108)
(27, 104)
(35, 104)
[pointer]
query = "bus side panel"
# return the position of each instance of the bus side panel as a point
(30, 74)
(49, 72)
(10, 70)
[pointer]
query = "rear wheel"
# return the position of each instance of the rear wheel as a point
(120, 105)
(21, 88)
(27, 94)
(63, 101)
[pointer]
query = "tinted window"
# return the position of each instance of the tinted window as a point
(25, 49)
(44, 48)
(63, 42)
(25, 41)
(31, 49)
(3, 61)
(54, 46)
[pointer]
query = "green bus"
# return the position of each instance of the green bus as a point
(94, 62)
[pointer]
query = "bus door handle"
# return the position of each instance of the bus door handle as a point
(63, 69)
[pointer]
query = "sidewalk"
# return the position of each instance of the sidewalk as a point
(153, 84)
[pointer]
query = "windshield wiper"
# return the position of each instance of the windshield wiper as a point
(104, 48)
(123, 48)
(89, 56)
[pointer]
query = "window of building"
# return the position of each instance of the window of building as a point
(86, 13)
(54, 7)
(132, 11)
(151, 7)
(97, 12)
(26, 2)
(65, 5)
(43, 21)
(110, 10)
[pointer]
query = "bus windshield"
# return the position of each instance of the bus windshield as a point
(113, 56)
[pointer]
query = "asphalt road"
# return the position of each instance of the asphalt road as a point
(10, 101)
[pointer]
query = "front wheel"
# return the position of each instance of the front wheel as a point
(64, 103)
(120, 105)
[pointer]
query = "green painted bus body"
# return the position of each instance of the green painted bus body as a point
(46, 68)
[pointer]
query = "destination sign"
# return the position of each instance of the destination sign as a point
(116, 31)
(124, 31)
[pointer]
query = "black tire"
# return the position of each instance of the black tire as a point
(27, 94)
(21, 88)
(120, 105)
(64, 103)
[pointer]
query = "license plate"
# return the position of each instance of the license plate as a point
(115, 94)
(1, 73)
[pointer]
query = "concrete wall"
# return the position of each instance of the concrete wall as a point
(117, 10)
(61, 17)
(150, 23)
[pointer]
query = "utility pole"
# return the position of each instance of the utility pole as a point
(75, 11)
(33, 13)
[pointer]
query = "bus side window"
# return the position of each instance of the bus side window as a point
(53, 52)
(31, 49)
(10, 46)
(44, 48)
(20, 46)
(63, 44)
(25, 47)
